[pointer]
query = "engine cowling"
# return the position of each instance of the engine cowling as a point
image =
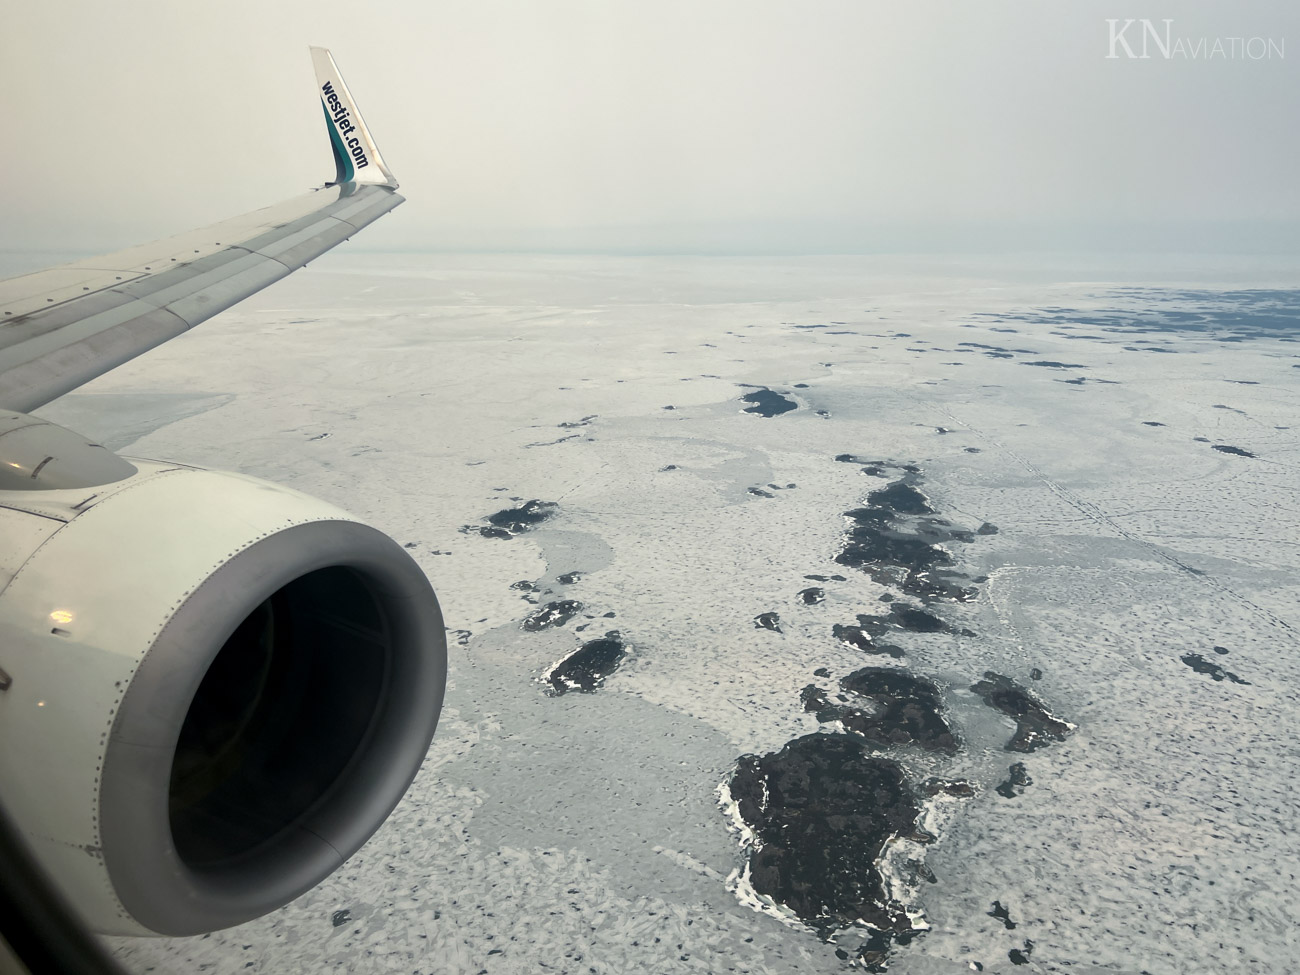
(215, 689)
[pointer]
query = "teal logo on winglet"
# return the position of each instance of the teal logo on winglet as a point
(349, 152)
(342, 164)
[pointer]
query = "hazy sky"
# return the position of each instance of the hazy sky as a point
(663, 125)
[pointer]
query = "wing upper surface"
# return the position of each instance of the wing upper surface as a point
(63, 326)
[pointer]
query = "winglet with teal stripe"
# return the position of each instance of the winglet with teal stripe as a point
(356, 157)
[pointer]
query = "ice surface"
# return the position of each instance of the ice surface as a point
(582, 832)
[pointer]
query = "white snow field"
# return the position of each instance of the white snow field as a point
(1077, 409)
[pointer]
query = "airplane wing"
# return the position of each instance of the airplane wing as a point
(61, 327)
(213, 689)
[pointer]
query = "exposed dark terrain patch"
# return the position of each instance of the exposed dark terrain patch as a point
(552, 614)
(768, 621)
(760, 493)
(510, 522)
(912, 619)
(1224, 448)
(587, 667)
(1053, 364)
(909, 706)
(552, 443)
(822, 810)
(812, 595)
(340, 918)
(859, 639)
(767, 402)
(1036, 726)
(957, 788)
(1203, 666)
(1003, 915)
(1080, 380)
(903, 498)
(568, 578)
(1231, 316)
(1016, 782)
(897, 539)
(881, 464)
(895, 708)
(873, 953)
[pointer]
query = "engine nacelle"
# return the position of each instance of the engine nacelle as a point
(213, 689)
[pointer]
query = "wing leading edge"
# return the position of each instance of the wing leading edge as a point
(62, 327)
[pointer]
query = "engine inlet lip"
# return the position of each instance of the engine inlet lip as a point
(155, 885)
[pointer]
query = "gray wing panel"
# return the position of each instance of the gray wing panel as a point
(63, 327)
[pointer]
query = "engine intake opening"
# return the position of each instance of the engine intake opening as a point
(283, 709)
(272, 726)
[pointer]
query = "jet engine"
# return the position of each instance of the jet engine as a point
(213, 690)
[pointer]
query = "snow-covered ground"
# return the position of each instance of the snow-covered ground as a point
(583, 832)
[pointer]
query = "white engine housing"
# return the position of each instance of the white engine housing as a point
(217, 689)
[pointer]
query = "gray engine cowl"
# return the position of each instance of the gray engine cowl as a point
(218, 689)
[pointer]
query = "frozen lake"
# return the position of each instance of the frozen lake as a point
(1097, 467)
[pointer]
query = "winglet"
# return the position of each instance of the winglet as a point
(356, 157)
